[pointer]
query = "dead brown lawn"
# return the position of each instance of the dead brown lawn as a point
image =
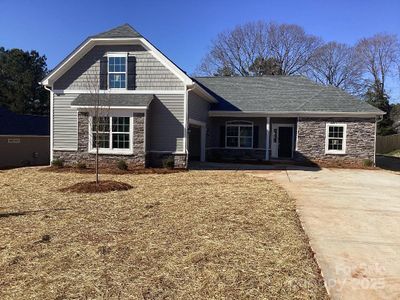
(188, 235)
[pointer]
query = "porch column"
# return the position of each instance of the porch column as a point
(267, 135)
(203, 143)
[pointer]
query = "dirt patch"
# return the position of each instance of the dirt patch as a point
(111, 171)
(103, 186)
(186, 235)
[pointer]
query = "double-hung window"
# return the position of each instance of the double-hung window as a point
(114, 136)
(335, 139)
(239, 134)
(117, 71)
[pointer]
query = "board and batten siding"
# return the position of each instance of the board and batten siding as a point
(65, 123)
(151, 74)
(166, 123)
(198, 108)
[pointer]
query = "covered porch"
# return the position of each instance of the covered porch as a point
(251, 138)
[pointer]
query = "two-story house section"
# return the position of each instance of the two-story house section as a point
(149, 110)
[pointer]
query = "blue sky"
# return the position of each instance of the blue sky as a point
(183, 29)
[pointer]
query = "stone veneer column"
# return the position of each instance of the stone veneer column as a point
(138, 135)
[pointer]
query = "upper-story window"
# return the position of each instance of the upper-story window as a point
(117, 71)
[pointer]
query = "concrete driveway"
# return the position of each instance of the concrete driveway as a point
(352, 218)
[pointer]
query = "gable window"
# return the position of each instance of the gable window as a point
(239, 134)
(117, 71)
(115, 134)
(335, 139)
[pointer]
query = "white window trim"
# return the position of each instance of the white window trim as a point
(343, 151)
(117, 54)
(230, 123)
(111, 150)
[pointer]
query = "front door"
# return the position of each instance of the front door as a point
(285, 144)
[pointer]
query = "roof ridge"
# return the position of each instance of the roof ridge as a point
(124, 30)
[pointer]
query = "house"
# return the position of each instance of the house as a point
(151, 110)
(24, 139)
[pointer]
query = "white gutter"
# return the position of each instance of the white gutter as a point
(51, 120)
(186, 122)
(377, 120)
(292, 114)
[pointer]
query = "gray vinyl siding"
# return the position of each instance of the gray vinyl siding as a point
(198, 108)
(166, 123)
(151, 74)
(65, 123)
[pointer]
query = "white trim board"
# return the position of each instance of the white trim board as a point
(292, 114)
(275, 145)
(110, 150)
(203, 136)
(140, 92)
(130, 108)
(344, 138)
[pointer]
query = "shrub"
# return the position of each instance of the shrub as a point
(81, 165)
(57, 162)
(368, 163)
(168, 163)
(122, 165)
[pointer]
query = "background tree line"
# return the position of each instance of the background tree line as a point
(261, 48)
(20, 73)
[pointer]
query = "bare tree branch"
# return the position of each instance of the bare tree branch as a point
(291, 47)
(379, 54)
(338, 65)
(237, 51)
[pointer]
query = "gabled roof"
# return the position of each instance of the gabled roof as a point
(123, 31)
(113, 100)
(280, 94)
(120, 35)
(17, 124)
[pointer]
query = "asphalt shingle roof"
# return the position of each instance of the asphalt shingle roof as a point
(123, 31)
(17, 124)
(280, 94)
(113, 100)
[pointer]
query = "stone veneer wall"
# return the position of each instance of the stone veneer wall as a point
(155, 159)
(220, 154)
(136, 160)
(360, 141)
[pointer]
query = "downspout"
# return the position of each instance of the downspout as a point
(377, 120)
(189, 88)
(51, 120)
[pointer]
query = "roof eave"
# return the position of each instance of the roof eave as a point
(89, 107)
(199, 90)
(217, 113)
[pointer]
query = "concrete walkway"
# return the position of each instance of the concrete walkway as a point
(352, 218)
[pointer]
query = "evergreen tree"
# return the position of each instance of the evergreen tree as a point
(377, 97)
(20, 73)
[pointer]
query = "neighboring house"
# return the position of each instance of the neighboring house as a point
(24, 139)
(155, 110)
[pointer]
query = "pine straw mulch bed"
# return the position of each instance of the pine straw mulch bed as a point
(190, 235)
(109, 170)
(102, 186)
